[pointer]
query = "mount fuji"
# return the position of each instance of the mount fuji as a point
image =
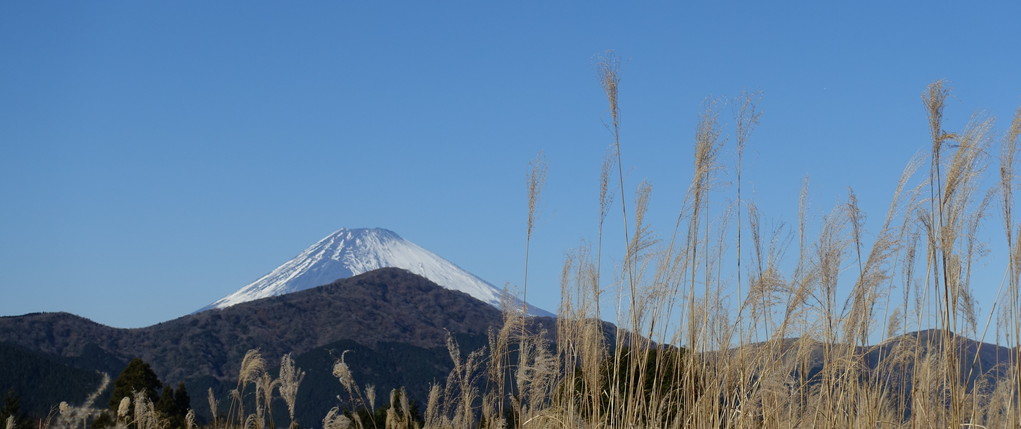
(349, 252)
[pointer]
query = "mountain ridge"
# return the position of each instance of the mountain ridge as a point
(390, 318)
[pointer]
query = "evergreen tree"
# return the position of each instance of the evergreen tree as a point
(12, 408)
(165, 405)
(174, 404)
(138, 376)
(182, 401)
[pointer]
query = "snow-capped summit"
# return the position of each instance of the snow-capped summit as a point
(349, 252)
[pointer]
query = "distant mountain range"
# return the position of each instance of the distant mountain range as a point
(394, 323)
(349, 252)
(893, 360)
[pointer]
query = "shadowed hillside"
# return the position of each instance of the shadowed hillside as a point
(394, 323)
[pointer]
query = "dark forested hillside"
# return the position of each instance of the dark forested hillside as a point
(395, 324)
(41, 381)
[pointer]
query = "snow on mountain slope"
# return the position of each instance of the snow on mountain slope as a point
(349, 252)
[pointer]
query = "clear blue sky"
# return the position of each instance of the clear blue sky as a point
(155, 156)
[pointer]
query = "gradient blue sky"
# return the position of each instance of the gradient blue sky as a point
(156, 156)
